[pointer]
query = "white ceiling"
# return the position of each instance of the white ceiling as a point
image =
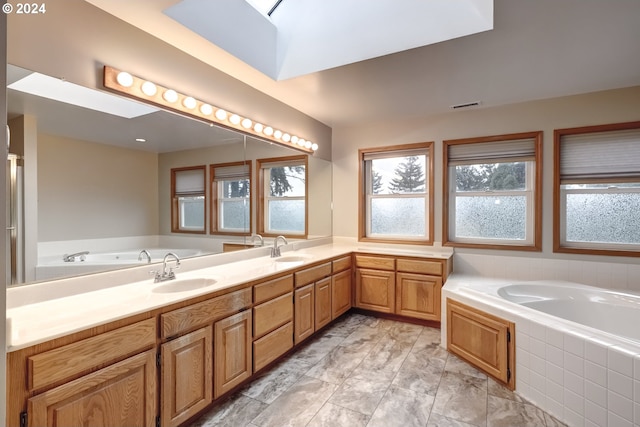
(538, 49)
(305, 36)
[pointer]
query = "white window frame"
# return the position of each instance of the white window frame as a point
(182, 196)
(224, 173)
(367, 196)
(528, 193)
(265, 166)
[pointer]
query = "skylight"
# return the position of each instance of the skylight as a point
(70, 93)
(266, 7)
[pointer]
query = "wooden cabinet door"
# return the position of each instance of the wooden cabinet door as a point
(304, 317)
(418, 295)
(323, 302)
(482, 339)
(375, 290)
(232, 352)
(123, 394)
(340, 293)
(187, 376)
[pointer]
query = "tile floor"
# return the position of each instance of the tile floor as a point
(365, 371)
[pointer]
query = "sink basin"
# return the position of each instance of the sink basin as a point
(293, 258)
(183, 285)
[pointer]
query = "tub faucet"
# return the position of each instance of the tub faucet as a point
(275, 251)
(144, 254)
(167, 275)
(259, 237)
(72, 257)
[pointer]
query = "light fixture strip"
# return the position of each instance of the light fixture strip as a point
(149, 92)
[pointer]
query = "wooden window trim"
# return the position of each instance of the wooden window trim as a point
(175, 216)
(537, 196)
(213, 205)
(362, 220)
(304, 160)
(557, 136)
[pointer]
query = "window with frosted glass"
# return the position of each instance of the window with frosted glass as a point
(188, 200)
(231, 194)
(598, 201)
(492, 191)
(396, 194)
(284, 196)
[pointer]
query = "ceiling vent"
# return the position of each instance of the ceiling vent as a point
(465, 105)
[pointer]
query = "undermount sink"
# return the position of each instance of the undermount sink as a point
(293, 258)
(183, 285)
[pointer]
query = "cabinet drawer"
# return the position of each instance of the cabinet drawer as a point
(73, 359)
(341, 264)
(420, 266)
(312, 274)
(273, 288)
(209, 311)
(272, 314)
(271, 346)
(378, 263)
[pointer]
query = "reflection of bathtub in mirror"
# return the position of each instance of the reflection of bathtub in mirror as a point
(53, 266)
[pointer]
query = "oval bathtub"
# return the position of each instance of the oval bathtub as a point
(577, 346)
(617, 313)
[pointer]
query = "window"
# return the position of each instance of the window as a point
(188, 199)
(396, 194)
(597, 197)
(282, 187)
(492, 194)
(231, 198)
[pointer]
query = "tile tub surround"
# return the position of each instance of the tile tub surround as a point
(578, 374)
(397, 375)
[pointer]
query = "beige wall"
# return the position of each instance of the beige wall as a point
(92, 191)
(588, 109)
(74, 40)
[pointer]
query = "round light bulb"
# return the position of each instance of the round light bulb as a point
(301, 142)
(246, 123)
(234, 119)
(314, 146)
(277, 134)
(206, 109)
(221, 115)
(149, 88)
(294, 139)
(189, 102)
(268, 131)
(170, 95)
(307, 144)
(258, 127)
(124, 79)
(286, 137)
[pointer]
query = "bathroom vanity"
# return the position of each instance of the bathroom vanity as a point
(202, 335)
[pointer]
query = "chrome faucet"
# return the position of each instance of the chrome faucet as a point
(144, 254)
(275, 251)
(72, 257)
(167, 275)
(259, 237)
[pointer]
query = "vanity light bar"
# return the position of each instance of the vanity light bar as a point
(149, 92)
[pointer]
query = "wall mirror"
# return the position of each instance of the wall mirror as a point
(86, 188)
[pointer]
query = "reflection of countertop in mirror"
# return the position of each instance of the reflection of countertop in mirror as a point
(39, 321)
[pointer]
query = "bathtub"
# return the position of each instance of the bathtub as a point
(577, 346)
(52, 267)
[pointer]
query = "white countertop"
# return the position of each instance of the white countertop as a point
(35, 322)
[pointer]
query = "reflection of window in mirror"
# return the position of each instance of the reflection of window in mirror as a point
(231, 198)
(282, 195)
(188, 199)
